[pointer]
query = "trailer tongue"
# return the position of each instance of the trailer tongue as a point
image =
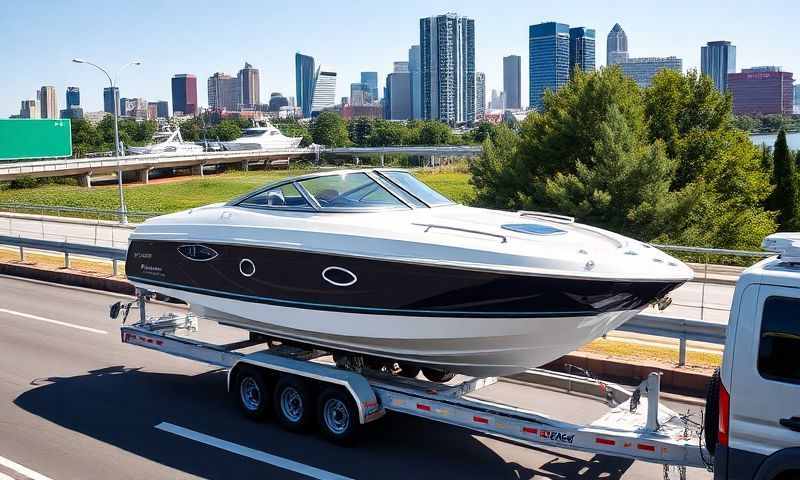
(294, 379)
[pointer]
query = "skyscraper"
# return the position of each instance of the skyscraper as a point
(398, 93)
(73, 97)
(48, 102)
(184, 94)
(581, 49)
(324, 95)
(162, 109)
(616, 46)
(304, 82)
(717, 60)
(28, 109)
(761, 91)
(359, 94)
(447, 48)
(249, 86)
(414, 68)
(549, 59)
(370, 79)
(480, 95)
(512, 82)
(642, 70)
(110, 99)
(224, 92)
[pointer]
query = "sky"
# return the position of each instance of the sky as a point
(39, 38)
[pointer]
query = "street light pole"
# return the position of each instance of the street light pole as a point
(123, 211)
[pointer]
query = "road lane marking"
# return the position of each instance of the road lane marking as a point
(54, 322)
(258, 455)
(22, 470)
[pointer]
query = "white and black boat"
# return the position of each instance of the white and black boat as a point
(376, 263)
(265, 137)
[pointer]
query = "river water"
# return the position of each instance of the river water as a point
(793, 139)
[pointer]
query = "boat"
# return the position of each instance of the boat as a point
(375, 264)
(261, 138)
(167, 140)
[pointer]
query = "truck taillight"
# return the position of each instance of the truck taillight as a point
(724, 415)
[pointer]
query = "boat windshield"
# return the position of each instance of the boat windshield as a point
(349, 190)
(253, 132)
(410, 184)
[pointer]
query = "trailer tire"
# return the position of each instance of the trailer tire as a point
(293, 403)
(436, 375)
(711, 420)
(338, 416)
(252, 392)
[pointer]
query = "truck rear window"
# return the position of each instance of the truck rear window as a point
(779, 347)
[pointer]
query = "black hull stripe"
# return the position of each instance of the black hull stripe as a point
(364, 310)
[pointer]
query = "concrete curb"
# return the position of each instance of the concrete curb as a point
(683, 381)
(68, 278)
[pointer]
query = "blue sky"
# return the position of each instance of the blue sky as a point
(40, 37)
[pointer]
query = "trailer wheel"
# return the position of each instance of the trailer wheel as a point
(253, 392)
(338, 416)
(436, 375)
(293, 403)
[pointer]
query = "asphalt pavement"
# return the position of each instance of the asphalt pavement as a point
(76, 403)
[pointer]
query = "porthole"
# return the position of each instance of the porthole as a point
(338, 276)
(247, 267)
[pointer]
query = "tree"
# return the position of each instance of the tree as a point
(434, 133)
(330, 129)
(493, 174)
(359, 130)
(228, 130)
(785, 198)
(385, 133)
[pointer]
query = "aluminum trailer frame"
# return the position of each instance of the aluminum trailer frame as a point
(656, 435)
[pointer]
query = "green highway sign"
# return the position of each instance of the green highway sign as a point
(30, 139)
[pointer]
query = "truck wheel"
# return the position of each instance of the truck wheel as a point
(252, 392)
(711, 420)
(338, 416)
(293, 403)
(436, 375)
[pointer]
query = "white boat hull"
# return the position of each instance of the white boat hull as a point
(473, 346)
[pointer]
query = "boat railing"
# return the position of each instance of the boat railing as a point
(550, 216)
(429, 226)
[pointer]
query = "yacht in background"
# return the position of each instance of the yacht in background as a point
(167, 140)
(261, 138)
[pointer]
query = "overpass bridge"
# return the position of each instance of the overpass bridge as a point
(85, 168)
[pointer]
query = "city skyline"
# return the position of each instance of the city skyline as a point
(390, 30)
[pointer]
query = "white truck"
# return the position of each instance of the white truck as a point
(751, 430)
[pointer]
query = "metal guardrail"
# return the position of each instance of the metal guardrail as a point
(80, 212)
(671, 327)
(714, 251)
(108, 253)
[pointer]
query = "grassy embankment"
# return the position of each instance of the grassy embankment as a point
(182, 193)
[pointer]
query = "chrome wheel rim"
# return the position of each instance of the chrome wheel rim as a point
(336, 415)
(291, 404)
(250, 394)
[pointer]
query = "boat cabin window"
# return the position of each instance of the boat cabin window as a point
(284, 196)
(410, 184)
(253, 132)
(350, 190)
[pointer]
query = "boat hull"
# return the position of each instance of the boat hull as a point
(467, 321)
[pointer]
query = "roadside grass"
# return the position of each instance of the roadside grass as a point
(629, 350)
(179, 194)
(56, 262)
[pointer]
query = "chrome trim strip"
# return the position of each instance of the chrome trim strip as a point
(458, 229)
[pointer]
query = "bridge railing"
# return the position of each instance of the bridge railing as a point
(97, 214)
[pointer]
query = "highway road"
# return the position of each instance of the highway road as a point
(76, 403)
